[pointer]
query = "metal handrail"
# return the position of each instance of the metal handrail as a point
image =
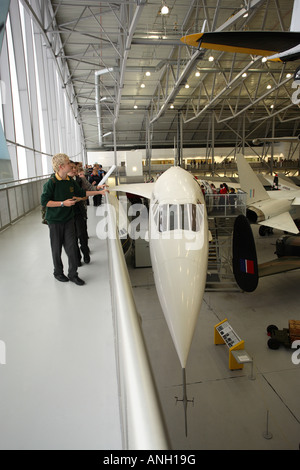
(18, 199)
(12, 183)
(141, 416)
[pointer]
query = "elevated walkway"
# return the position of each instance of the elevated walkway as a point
(59, 386)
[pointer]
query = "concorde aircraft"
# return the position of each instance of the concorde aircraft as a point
(283, 46)
(276, 209)
(178, 241)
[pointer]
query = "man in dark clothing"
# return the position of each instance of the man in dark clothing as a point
(232, 198)
(95, 179)
(80, 219)
(275, 181)
(101, 172)
(59, 196)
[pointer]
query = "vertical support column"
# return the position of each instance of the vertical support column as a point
(148, 147)
(42, 72)
(213, 140)
(181, 139)
(9, 132)
(272, 145)
(178, 139)
(116, 155)
(22, 83)
(243, 141)
(32, 88)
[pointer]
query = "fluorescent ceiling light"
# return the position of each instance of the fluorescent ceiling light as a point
(164, 10)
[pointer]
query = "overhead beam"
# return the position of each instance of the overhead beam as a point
(189, 66)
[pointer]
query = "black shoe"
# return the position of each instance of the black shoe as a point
(77, 280)
(61, 277)
(87, 259)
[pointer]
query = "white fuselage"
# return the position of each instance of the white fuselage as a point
(276, 209)
(178, 239)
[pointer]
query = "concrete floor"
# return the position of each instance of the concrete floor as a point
(58, 388)
(230, 410)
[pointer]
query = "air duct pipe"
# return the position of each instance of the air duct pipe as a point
(97, 102)
(276, 139)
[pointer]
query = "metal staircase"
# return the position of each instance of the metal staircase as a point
(219, 272)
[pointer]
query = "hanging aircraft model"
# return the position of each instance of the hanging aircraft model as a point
(283, 46)
(276, 209)
(178, 241)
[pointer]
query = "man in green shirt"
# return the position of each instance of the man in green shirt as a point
(59, 196)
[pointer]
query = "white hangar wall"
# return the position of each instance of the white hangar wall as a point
(107, 158)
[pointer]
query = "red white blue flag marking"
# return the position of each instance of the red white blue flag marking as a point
(247, 266)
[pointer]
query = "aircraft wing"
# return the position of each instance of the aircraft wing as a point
(140, 189)
(278, 265)
(282, 221)
(264, 43)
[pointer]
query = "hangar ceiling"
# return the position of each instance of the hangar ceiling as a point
(135, 84)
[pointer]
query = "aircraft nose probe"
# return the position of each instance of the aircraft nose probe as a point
(184, 399)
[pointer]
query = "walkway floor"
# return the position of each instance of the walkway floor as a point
(58, 388)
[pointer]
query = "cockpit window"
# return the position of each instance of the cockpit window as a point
(168, 217)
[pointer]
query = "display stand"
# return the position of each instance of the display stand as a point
(225, 334)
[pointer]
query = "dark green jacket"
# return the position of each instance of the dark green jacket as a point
(57, 189)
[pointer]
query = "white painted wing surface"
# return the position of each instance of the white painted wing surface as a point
(281, 222)
(140, 189)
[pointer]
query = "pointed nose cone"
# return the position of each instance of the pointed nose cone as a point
(184, 296)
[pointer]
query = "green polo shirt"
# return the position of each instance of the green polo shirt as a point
(57, 189)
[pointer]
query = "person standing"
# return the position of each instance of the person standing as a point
(94, 179)
(59, 196)
(222, 198)
(80, 219)
(232, 199)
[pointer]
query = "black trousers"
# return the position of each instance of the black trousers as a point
(63, 235)
(82, 235)
(97, 200)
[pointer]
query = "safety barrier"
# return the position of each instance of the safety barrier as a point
(141, 416)
(18, 198)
